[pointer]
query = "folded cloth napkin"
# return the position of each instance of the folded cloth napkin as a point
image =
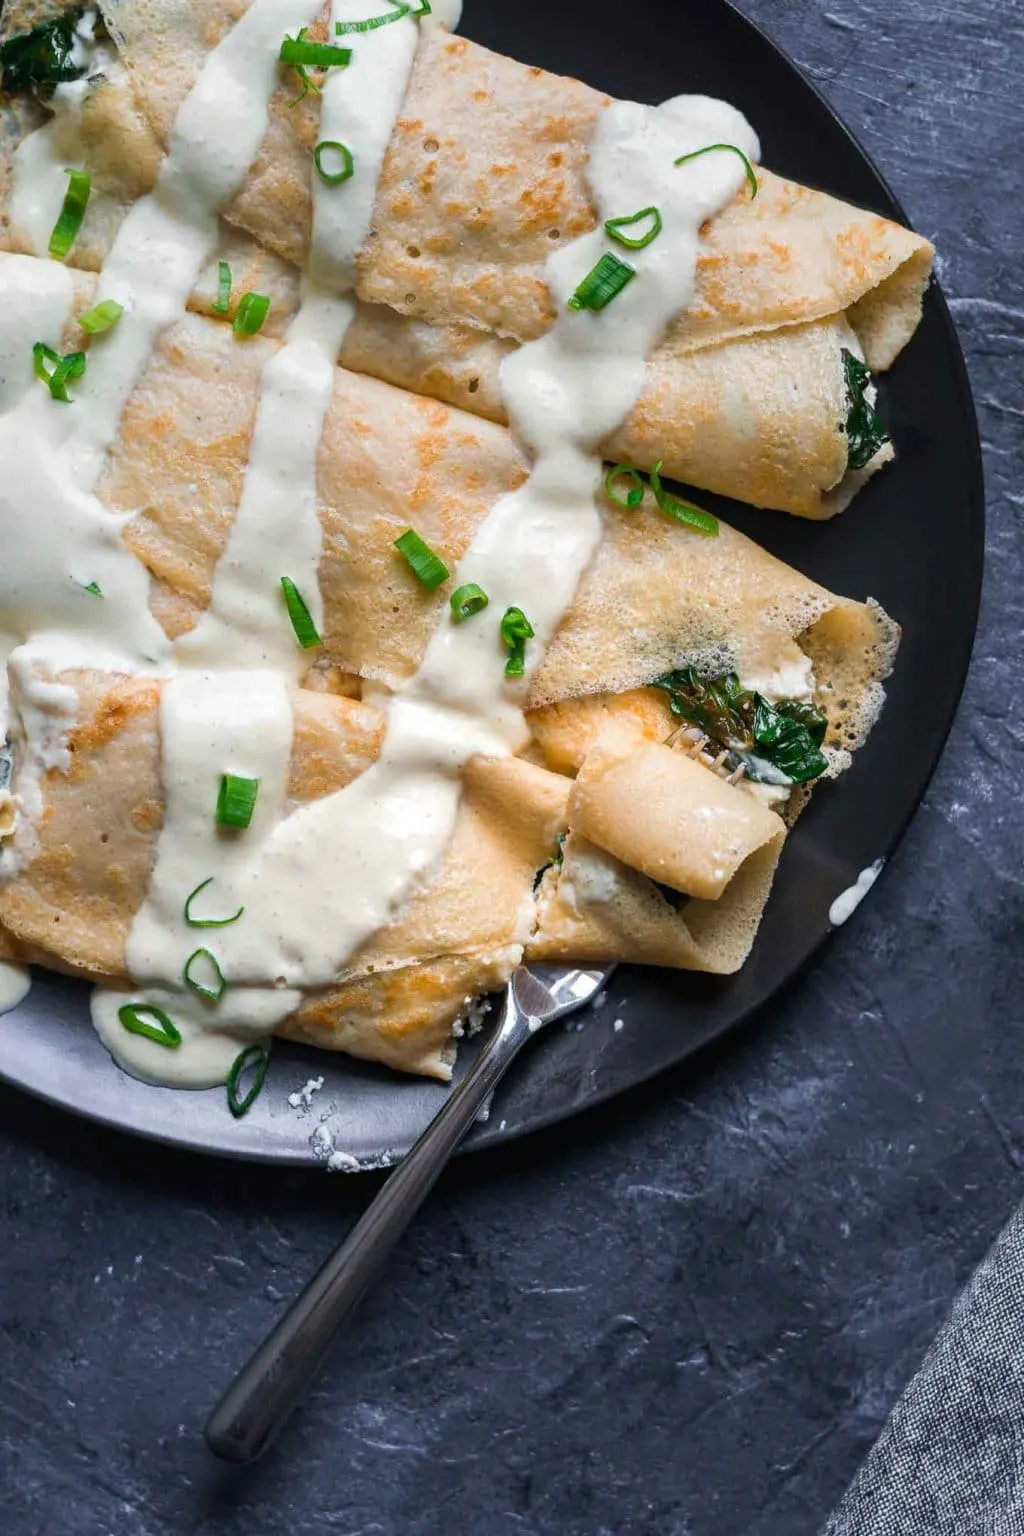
(950, 1462)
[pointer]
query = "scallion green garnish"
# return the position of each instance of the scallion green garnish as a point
(516, 629)
(253, 1057)
(682, 511)
(76, 200)
(101, 317)
(236, 800)
(207, 922)
(733, 149)
(60, 371)
(200, 957)
(343, 28)
(604, 283)
(250, 314)
(93, 589)
(135, 1018)
(634, 496)
(429, 569)
(468, 600)
(223, 301)
(615, 228)
(306, 632)
(302, 55)
(346, 168)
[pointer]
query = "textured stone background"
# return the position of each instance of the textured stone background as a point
(691, 1313)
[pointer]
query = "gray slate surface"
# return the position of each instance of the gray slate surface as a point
(692, 1312)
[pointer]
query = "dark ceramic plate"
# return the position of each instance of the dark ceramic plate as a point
(913, 539)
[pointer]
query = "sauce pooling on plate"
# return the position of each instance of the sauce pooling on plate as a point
(298, 891)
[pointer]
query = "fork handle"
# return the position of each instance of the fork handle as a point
(254, 1408)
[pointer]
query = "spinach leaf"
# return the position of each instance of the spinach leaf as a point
(43, 58)
(864, 430)
(776, 743)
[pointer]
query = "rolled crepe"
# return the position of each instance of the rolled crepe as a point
(656, 597)
(485, 176)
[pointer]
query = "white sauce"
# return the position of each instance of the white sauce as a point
(360, 106)
(846, 904)
(15, 983)
(316, 882)
(36, 298)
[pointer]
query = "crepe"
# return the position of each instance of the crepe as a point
(634, 813)
(485, 176)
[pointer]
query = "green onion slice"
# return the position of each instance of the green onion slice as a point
(101, 317)
(616, 228)
(303, 55)
(630, 499)
(300, 51)
(256, 1059)
(733, 149)
(250, 314)
(207, 922)
(400, 10)
(468, 600)
(150, 1022)
(345, 170)
(94, 589)
(604, 283)
(236, 800)
(223, 303)
(76, 200)
(306, 632)
(429, 569)
(60, 369)
(516, 629)
(204, 957)
(682, 511)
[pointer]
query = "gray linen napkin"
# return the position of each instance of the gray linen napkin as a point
(950, 1462)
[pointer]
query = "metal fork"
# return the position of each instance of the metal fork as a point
(263, 1394)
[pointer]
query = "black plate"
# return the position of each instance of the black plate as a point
(914, 540)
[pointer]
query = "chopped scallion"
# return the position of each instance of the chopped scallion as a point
(682, 511)
(632, 498)
(343, 28)
(207, 922)
(306, 632)
(429, 569)
(94, 589)
(60, 370)
(604, 283)
(222, 304)
(616, 228)
(468, 600)
(250, 314)
(236, 800)
(345, 170)
(101, 317)
(255, 1059)
(733, 149)
(303, 55)
(150, 1022)
(76, 200)
(192, 975)
(516, 629)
